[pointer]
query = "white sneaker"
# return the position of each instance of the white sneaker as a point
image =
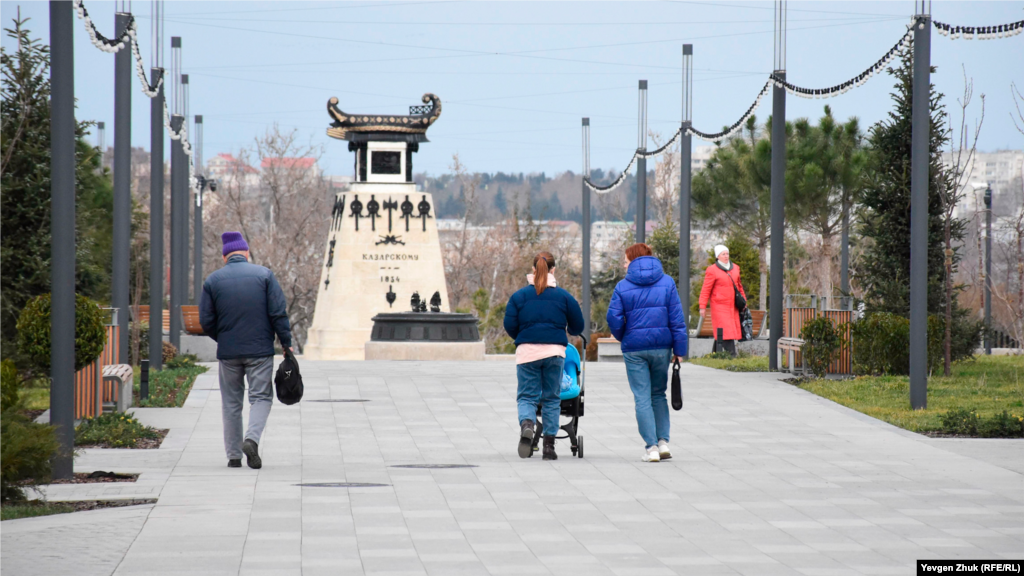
(663, 450)
(652, 455)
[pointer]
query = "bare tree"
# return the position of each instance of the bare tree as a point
(1014, 227)
(282, 210)
(666, 180)
(963, 146)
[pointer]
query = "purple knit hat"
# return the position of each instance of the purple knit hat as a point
(233, 242)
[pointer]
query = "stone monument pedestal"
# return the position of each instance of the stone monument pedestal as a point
(424, 336)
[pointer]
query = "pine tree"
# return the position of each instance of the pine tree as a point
(25, 189)
(884, 272)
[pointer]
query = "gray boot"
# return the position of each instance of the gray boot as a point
(526, 439)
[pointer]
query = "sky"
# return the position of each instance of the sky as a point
(515, 78)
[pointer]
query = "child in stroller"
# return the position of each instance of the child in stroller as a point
(571, 396)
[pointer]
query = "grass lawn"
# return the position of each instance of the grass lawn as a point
(987, 385)
(33, 508)
(741, 364)
(36, 397)
(169, 387)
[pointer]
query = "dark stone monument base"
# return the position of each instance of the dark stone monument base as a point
(424, 327)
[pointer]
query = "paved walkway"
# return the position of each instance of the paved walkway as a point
(767, 479)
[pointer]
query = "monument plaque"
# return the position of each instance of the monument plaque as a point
(382, 246)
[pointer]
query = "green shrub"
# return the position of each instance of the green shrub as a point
(10, 382)
(822, 342)
(1004, 425)
(960, 421)
(881, 343)
(26, 449)
(720, 355)
(34, 332)
(115, 430)
(181, 361)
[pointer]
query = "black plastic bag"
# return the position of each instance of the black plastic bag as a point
(746, 325)
(288, 380)
(677, 388)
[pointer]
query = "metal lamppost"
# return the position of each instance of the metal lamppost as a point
(685, 157)
(156, 197)
(585, 296)
(988, 269)
(919, 160)
(101, 138)
(641, 166)
(197, 224)
(197, 281)
(179, 209)
(778, 191)
(62, 235)
(122, 229)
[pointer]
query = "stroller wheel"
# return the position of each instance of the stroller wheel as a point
(579, 444)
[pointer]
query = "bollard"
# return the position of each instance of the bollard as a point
(144, 380)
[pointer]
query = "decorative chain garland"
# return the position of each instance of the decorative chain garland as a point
(982, 32)
(737, 125)
(113, 46)
(717, 137)
(854, 82)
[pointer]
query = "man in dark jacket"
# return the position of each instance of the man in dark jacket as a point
(242, 308)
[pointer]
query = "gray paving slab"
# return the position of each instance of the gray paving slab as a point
(766, 479)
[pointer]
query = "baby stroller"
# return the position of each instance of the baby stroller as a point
(571, 395)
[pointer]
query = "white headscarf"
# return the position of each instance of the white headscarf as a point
(719, 249)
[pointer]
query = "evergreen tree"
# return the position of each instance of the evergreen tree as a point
(884, 273)
(25, 189)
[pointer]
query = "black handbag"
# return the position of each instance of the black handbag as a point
(740, 302)
(677, 388)
(288, 380)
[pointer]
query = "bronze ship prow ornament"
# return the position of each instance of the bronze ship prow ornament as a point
(419, 119)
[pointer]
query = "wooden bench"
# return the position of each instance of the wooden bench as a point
(120, 381)
(792, 347)
(144, 317)
(705, 330)
(190, 316)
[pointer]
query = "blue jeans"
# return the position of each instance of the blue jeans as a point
(647, 371)
(540, 383)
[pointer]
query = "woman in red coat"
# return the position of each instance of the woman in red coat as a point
(718, 289)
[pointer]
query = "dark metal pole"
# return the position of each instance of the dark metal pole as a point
(62, 235)
(919, 160)
(144, 379)
(777, 262)
(844, 265)
(988, 270)
(685, 180)
(186, 223)
(197, 226)
(641, 168)
(156, 224)
(120, 276)
(585, 296)
(179, 211)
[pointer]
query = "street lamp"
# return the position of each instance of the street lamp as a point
(988, 269)
(197, 276)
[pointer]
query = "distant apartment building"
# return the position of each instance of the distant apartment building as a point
(1003, 170)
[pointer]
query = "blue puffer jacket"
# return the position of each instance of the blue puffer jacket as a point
(645, 312)
(542, 319)
(242, 307)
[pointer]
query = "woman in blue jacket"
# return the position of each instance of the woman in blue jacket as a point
(537, 317)
(645, 315)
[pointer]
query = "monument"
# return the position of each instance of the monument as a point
(382, 246)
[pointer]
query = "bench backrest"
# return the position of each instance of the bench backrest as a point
(144, 317)
(705, 329)
(190, 315)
